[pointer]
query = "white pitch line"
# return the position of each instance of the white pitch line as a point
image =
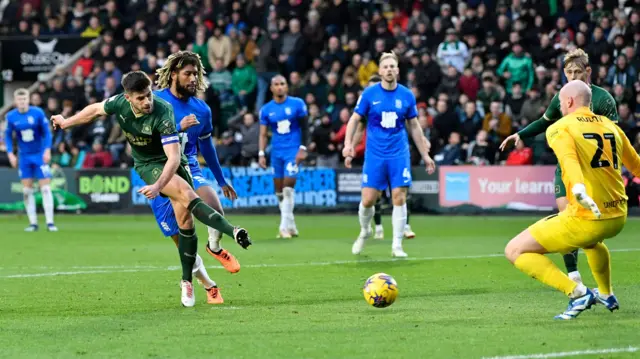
(118, 269)
(225, 308)
(569, 354)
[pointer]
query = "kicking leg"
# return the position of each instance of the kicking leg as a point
(399, 220)
(181, 192)
(47, 204)
(365, 214)
(30, 205)
(228, 261)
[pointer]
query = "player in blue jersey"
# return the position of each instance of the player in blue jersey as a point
(286, 116)
(179, 81)
(31, 127)
(386, 194)
(386, 107)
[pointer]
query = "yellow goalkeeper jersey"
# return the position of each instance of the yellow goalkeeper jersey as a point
(591, 149)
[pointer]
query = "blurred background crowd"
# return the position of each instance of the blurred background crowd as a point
(480, 69)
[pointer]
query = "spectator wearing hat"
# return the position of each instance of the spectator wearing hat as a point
(453, 52)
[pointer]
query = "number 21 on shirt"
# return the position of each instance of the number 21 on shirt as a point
(597, 161)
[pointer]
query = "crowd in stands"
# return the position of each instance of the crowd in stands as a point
(480, 69)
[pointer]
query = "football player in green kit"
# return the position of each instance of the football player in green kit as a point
(576, 67)
(149, 126)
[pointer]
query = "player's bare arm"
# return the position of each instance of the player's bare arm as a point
(172, 151)
(357, 136)
(348, 151)
(86, 115)
(423, 144)
(262, 145)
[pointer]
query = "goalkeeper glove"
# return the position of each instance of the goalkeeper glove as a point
(580, 192)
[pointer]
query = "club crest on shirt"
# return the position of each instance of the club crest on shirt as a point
(30, 120)
(287, 111)
(146, 129)
(398, 104)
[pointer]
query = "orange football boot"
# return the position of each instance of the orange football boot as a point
(228, 261)
(214, 296)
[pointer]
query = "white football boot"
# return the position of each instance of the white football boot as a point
(188, 297)
(358, 245)
(397, 252)
(408, 233)
(379, 233)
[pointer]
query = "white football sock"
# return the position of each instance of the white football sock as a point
(30, 205)
(201, 273)
(47, 203)
(379, 228)
(290, 202)
(366, 215)
(399, 221)
(283, 216)
(214, 239)
(579, 291)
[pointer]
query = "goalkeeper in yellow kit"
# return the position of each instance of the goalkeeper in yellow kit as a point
(591, 150)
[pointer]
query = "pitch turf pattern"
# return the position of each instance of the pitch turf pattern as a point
(116, 294)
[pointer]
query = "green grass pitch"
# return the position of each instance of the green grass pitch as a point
(107, 287)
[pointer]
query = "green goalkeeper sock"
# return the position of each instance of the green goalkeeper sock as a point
(571, 261)
(188, 250)
(210, 217)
